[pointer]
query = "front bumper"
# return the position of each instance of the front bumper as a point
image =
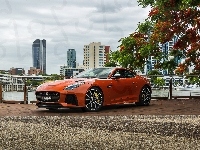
(46, 99)
(65, 101)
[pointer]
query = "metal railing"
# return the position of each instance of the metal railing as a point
(174, 87)
(25, 97)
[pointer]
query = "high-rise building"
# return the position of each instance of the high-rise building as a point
(95, 55)
(166, 49)
(39, 55)
(71, 58)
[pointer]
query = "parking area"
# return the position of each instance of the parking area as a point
(157, 107)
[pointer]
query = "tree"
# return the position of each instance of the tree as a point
(112, 60)
(180, 18)
(159, 82)
(56, 77)
(110, 64)
(193, 78)
(33, 82)
(153, 74)
(167, 19)
(122, 58)
(134, 51)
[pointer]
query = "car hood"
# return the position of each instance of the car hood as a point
(60, 84)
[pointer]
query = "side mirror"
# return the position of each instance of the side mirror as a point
(116, 76)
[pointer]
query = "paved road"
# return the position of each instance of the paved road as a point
(157, 107)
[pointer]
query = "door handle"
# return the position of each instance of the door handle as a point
(109, 86)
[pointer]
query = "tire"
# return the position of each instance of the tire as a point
(145, 96)
(93, 99)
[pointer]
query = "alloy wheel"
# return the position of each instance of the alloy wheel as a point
(93, 99)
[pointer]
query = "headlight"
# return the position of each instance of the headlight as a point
(73, 86)
(38, 87)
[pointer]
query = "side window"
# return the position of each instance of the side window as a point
(125, 73)
(121, 72)
(129, 74)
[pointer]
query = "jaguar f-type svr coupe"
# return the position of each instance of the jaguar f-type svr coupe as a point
(95, 88)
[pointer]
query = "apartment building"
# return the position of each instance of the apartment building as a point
(17, 82)
(17, 71)
(34, 71)
(95, 55)
(166, 49)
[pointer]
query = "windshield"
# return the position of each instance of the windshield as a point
(95, 73)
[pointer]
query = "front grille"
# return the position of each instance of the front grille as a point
(71, 99)
(47, 96)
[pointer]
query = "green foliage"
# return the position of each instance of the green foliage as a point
(181, 4)
(56, 77)
(33, 83)
(110, 64)
(170, 65)
(159, 82)
(155, 79)
(153, 74)
(53, 77)
(146, 3)
(145, 27)
(167, 18)
(193, 78)
(2, 72)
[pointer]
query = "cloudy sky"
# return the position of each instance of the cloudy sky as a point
(65, 24)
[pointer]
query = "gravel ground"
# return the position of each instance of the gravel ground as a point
(100, 132)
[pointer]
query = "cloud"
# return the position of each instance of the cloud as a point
(64, 24)
(113, 6)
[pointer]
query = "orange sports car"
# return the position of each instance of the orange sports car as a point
(95, 88)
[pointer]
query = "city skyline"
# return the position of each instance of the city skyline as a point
(63, 27)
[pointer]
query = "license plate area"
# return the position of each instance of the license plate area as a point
(46, 98)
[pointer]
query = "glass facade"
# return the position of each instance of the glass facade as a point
(71, 58)
(39, 54)
(166, 48)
